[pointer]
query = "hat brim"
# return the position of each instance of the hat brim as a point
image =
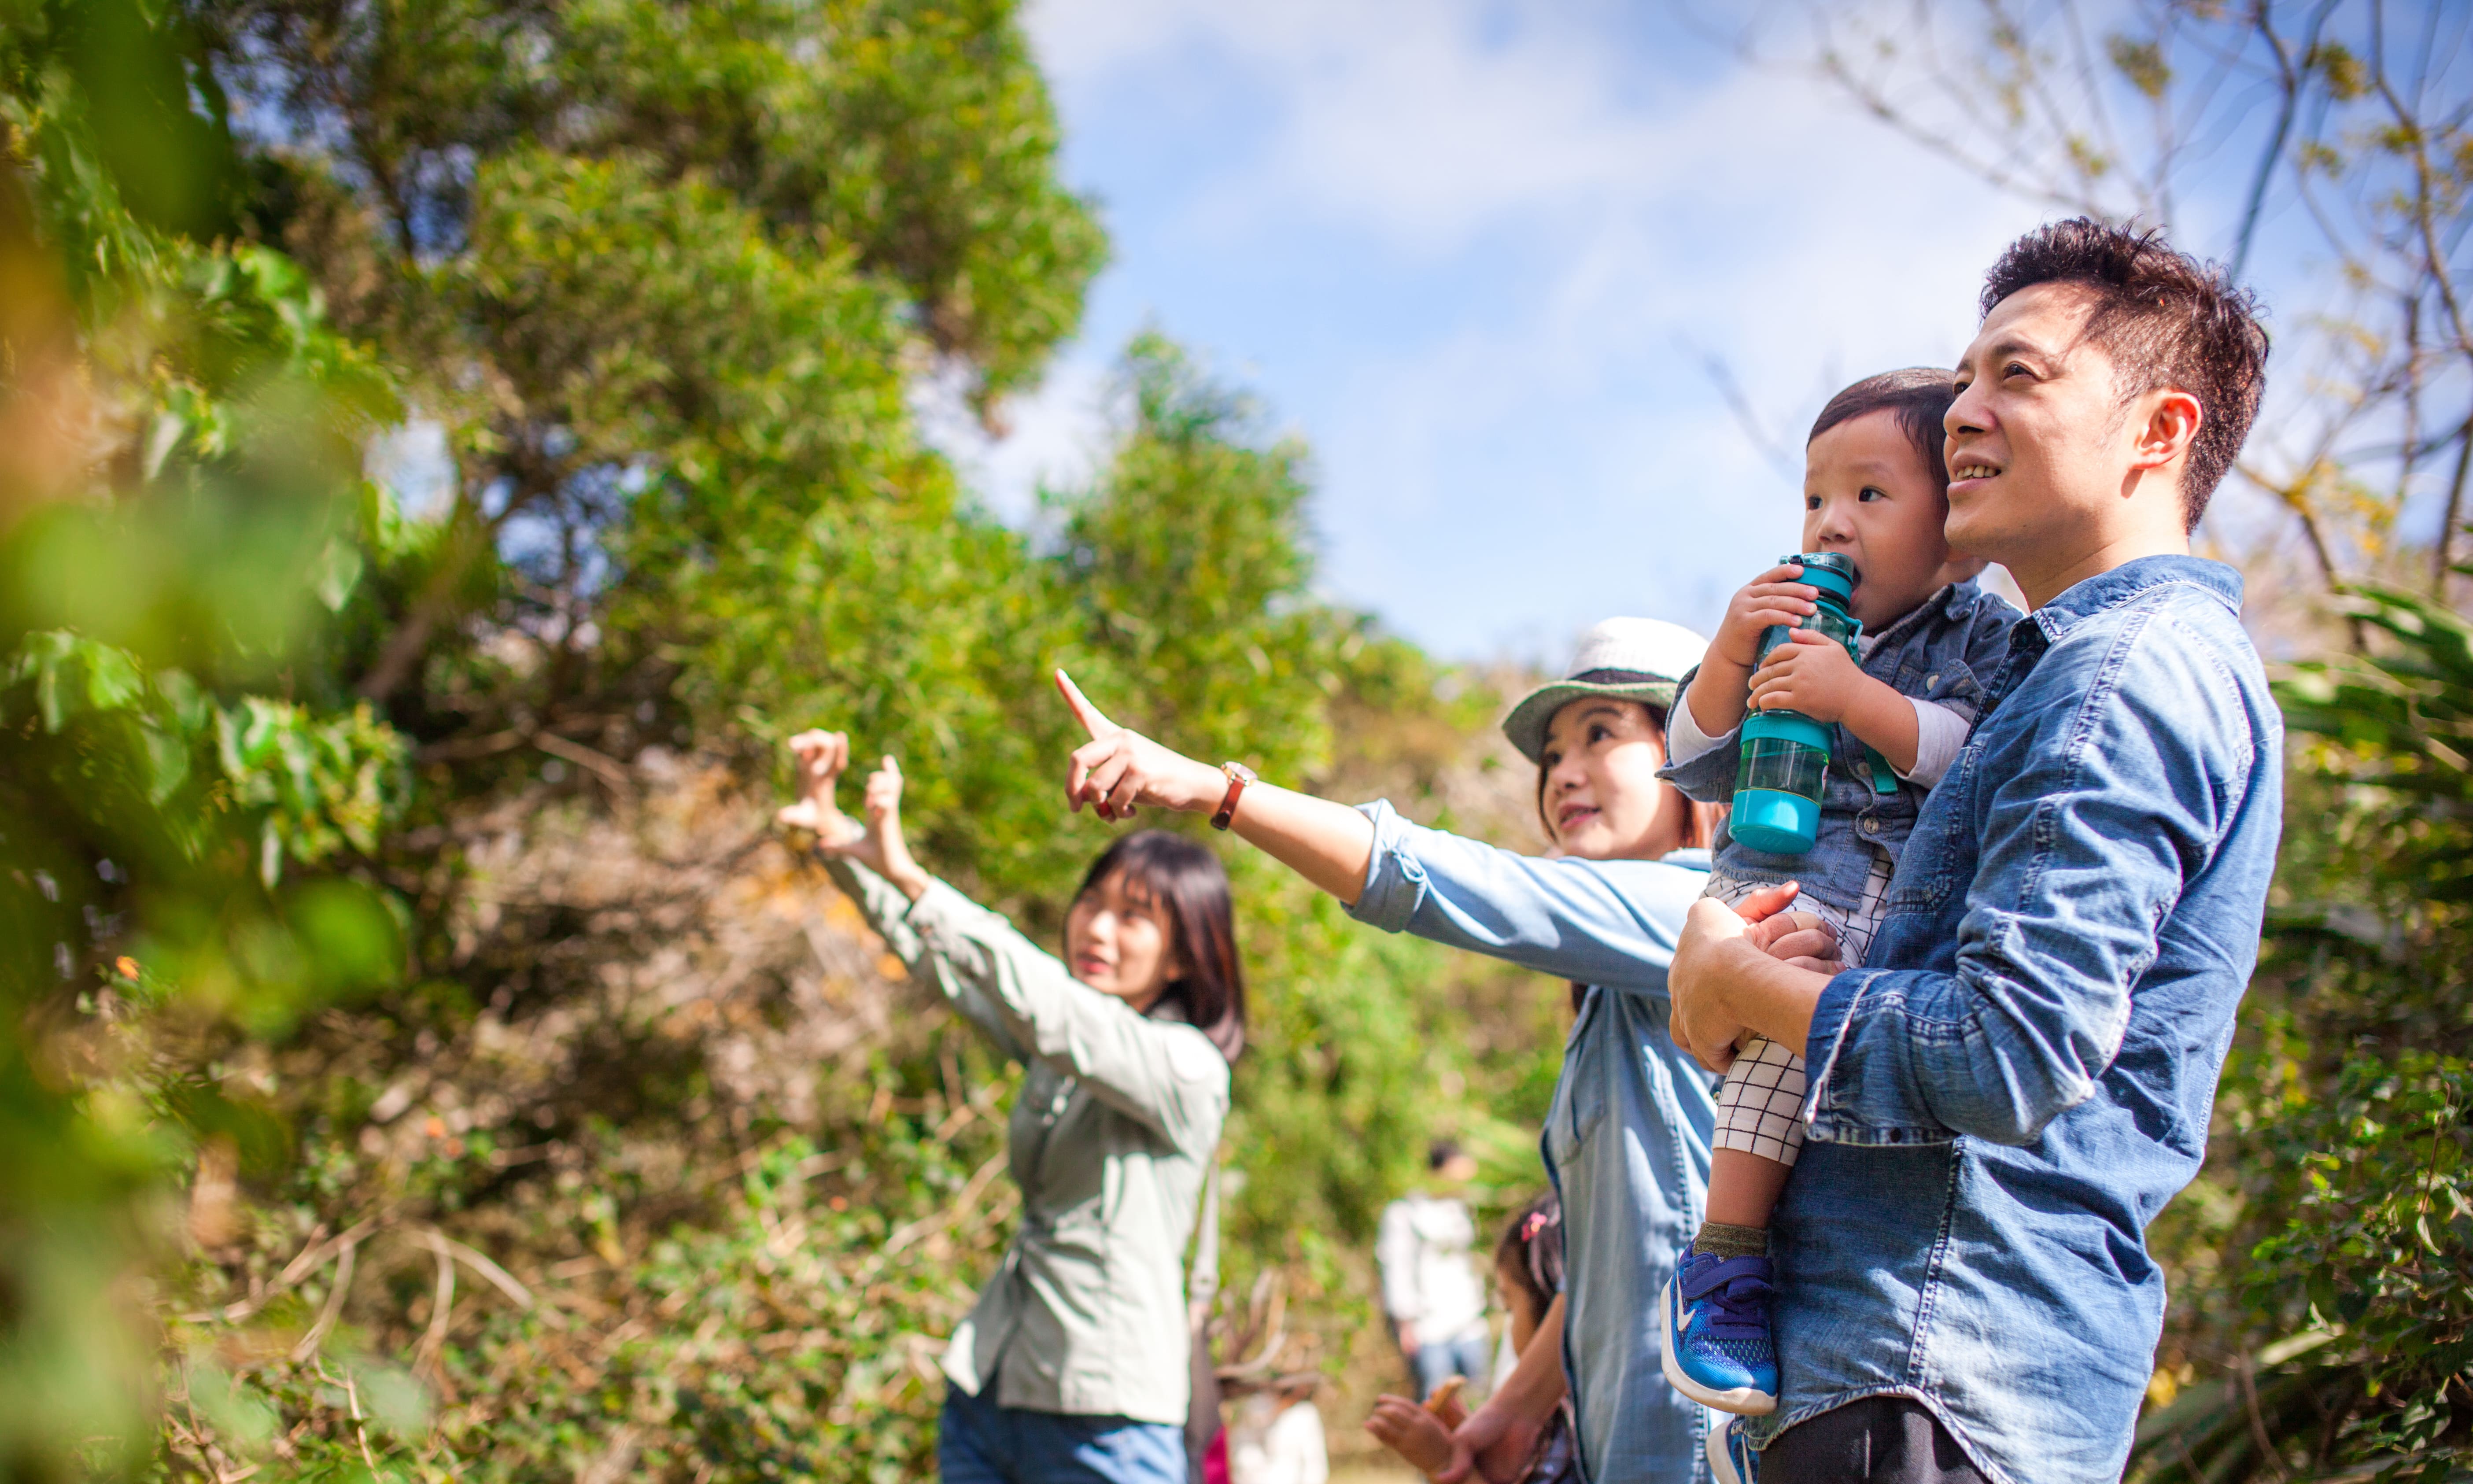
(1528, 722)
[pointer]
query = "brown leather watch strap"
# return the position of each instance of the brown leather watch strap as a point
(1238, 776)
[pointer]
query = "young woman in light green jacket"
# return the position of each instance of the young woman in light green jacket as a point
(1075, 1364)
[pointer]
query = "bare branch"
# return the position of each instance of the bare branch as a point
(1721, 375)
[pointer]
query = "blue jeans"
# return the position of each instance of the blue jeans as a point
(982, 1443)
(1438, 1360)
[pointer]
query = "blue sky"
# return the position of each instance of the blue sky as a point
(1475, 257)
(1478, 255)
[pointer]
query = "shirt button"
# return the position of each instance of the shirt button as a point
(1871, 826)
(1930, 681)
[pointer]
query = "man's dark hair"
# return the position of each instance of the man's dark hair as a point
(1920, 396)
(2166, 319)
(1441, 1152)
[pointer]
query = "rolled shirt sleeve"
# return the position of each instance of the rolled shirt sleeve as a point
(2095, 808)
(1940, 735)
(1685, 741)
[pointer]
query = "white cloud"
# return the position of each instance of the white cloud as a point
(1471, 256)
(1051, 438)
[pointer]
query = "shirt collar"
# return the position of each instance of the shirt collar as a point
(2110, 590)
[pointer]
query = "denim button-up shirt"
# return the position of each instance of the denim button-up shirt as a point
(1627, 1140)
(2021, 1077)
(1944, 652)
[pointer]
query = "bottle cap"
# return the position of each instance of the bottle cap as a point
(1833, 573)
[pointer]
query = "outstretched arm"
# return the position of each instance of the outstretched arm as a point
(1118, 770)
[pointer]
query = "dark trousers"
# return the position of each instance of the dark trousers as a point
(1878, 1440)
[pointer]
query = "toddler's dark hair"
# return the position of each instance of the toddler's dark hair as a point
(1532, 1249)
(1920, 396)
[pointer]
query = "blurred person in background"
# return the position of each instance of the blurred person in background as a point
(1430, 1289)
(1278, 1436)
(1076, 1366)
(1527, 1279)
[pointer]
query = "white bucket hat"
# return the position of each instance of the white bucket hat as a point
(1632, 658)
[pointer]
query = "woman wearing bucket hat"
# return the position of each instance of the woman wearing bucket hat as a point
(1628, 1139)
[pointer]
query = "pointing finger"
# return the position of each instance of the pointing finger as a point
(1088, 715)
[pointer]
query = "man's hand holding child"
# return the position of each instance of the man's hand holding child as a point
(1706, 1020)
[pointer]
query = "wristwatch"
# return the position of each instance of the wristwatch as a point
(1238, 776)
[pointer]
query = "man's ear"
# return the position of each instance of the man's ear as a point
(2168, 429)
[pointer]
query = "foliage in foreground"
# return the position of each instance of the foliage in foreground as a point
(2324, 1318)
(419, 1057)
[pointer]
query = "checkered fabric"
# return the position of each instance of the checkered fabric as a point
(1759, 1107)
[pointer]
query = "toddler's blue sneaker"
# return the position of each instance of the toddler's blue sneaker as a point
(1732, 1458)
(1713, 1334)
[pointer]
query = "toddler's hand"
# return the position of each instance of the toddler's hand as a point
(1813, 674)
(1772, 598)
(1803, 939)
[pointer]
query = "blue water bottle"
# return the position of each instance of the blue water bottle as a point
(1785, 754)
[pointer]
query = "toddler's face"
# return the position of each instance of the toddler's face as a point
(1867, 494)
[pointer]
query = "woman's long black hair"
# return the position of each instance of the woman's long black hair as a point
(1188, 881)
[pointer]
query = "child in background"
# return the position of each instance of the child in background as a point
(1527, 1273)
(1278, 1435)
(1876, 489)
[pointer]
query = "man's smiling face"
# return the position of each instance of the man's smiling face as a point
(2038, 446)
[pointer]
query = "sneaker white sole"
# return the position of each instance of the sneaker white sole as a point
(1742, 1400)
(1722, 1462)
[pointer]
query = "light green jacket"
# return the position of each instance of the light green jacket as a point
(1112, 1135)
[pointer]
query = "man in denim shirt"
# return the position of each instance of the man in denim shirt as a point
(2021, 1076)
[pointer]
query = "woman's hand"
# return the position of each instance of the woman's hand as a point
(822, 757)
(878, 844)
(1120, 768)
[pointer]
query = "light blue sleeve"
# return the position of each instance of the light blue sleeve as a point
(1609, 922)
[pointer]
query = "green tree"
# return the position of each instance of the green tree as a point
(403, 986)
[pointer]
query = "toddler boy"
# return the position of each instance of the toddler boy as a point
(1876, 489)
